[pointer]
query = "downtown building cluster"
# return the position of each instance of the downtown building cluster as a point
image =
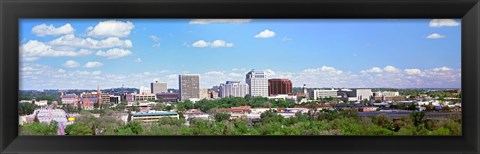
(140, 103)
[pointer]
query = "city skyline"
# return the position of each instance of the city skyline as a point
(80, 54)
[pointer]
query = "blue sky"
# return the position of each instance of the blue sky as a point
(82, 53)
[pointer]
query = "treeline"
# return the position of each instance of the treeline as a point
(38, 95)
(26, 108)
(227, 102)
(327, 123)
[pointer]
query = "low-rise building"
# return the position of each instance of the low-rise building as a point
(130, 97)
(145, 96)
(168, 97)
(260, 110)
(49, 115)
(69, 99)
(291, 98)
(368, 109)
(394, 98)
(114, 99)
(240, 109)
(390, 93)
(323, 93)
(150, 117)
(41, 103)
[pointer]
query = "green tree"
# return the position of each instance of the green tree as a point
(417, 118)
(26, 108)
(78, 129)
(37, 128)
(383, 121)
(270, 116)
(132, 128)
(221, 117)
(440, 131)
(159, 107)
(168, 107)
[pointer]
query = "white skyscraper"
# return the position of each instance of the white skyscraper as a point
(233, 89)
(257, 83)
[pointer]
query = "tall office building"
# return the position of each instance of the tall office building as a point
(158, 87)
(233, 89)
(257, 83)
(279, 86)
(189, 85)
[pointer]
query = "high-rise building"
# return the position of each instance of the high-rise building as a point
(233, 89)
(158, 87)
(257, 83)
(189, 85)
(279, 86)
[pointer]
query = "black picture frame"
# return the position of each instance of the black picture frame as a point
(13, 10)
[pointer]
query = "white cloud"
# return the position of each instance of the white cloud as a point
(93, 64)
(114, 53)
(443, 22)
(323, 69)
(390, 69)
(200, 44)
(210, 21)
(265, 34)
(435, 36)
(156, 40)
(214, 44)
(72, 41)
(221, 43)
(373, 70)
(286, 39)
(138, 60)
(442, 69)
(34, 49)
(71, 64)
(111, 28)
(37, 76)
(96, 72)
(232, 74)
(269, 72)
(413, 71)
(44, 30)
(215, 73)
